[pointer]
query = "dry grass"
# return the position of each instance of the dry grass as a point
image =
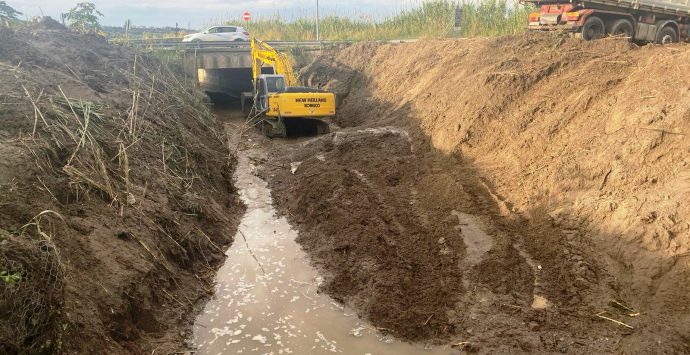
(100, 132)
(91, 132)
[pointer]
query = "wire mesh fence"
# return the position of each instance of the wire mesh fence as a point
(31, 295)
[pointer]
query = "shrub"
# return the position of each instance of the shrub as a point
(84, 18)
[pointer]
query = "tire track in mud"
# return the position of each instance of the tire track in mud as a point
(419, 247)
(542, 148)
(385, 275)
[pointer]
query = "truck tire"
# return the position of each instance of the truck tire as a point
(621, 28)
(594, 28)
(667, 35)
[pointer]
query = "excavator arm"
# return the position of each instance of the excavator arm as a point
(262, 54)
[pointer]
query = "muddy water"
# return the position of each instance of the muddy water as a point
(266, 300)
(477, 242)
(538, 301)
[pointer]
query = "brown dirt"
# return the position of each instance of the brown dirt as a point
(572, 156)
(114, 219)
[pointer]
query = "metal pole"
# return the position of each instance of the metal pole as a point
(318, 35)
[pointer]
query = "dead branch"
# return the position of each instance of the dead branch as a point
(251, 252)
(601, 315)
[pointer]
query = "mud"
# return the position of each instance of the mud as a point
(392, 247)
(524, 144)
(477, 242)
(267, 296)
(514, 194)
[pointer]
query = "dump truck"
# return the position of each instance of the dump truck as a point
(656, 21)
(277, 99)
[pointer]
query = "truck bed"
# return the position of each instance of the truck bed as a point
(670, 7)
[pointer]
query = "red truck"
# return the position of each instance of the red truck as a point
(657, 21)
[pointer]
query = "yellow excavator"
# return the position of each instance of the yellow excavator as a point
(277, 98)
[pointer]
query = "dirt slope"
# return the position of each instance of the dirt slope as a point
(572, 156)
(115, 192)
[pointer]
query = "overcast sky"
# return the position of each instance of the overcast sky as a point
(202, 12)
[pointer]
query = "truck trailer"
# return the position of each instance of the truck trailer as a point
(656, 21)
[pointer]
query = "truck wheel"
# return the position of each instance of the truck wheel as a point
(666, 35)
(621, 28)
(594, 28)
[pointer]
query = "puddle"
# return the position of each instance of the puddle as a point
(266, 300)
(538, 301)
(477, 242)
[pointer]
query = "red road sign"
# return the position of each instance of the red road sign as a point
(247, 16)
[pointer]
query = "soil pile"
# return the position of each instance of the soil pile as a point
(116, 196)
(571, 156)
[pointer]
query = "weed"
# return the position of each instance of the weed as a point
(493, 18)
(11, 278)
(431, 19)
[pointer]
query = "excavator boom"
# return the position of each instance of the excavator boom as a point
(262, 53)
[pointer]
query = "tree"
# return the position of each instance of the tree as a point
(7, 13)
(84, 18)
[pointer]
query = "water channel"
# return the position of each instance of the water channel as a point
(266, 299)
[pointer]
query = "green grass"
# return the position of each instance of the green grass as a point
(11, 278)
(430, 19)
(494, 18)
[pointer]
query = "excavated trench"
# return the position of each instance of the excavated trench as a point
(418, 249)
(502, 195)
(525, 193)
(477, 219)
(267, 297)
(275, 295)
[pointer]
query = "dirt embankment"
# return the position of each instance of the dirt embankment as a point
(571, 156)
(116, 196)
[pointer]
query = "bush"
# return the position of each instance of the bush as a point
(84, 18)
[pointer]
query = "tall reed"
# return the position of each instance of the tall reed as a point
(430, 19)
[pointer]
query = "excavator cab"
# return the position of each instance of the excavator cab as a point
(274, 83)
(266, 85)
